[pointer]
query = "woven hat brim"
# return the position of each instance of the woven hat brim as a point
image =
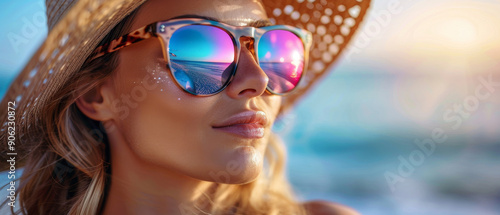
(333, 24)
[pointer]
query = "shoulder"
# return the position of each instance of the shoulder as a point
(319, 207)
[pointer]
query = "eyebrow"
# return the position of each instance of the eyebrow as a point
(257, 23)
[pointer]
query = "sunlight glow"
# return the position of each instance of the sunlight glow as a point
(295, 62)
(451, 33)
(456, 30)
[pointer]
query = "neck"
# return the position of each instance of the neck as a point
(139, 187)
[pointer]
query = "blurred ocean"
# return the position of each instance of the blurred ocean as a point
(350, 131)
(357, 137)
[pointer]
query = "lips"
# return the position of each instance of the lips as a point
(248, 124)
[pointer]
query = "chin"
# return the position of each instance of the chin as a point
(246, 177)
(243, 166)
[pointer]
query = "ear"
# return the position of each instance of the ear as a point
(96, 103)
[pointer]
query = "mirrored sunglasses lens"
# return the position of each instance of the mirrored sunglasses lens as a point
(281, 56)
(201, 58)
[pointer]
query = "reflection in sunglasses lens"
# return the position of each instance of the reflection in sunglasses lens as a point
(281, 56)
(201, 58)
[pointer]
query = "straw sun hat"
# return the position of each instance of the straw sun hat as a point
(76, 27)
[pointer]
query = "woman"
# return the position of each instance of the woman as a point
(173, 118)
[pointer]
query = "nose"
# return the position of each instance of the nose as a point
(249, 80)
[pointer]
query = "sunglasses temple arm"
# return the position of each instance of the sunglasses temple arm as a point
(138, 35)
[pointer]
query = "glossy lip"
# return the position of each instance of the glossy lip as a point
(248, 124)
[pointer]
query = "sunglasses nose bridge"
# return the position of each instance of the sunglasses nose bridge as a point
(246, 39)
(244, 32)
(248, 43)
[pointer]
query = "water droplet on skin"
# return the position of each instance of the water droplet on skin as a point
(179, 99)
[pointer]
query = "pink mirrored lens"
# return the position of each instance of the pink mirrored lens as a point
(281, 56)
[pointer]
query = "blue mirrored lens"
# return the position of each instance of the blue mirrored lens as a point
(201, 58)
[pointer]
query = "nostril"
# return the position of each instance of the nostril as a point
(251, 91)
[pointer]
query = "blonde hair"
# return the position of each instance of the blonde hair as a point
(67, 170)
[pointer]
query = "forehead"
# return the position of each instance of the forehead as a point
(233, 12)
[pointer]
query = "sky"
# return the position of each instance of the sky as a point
(21, 34)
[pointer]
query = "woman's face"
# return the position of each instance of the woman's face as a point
(166, 127)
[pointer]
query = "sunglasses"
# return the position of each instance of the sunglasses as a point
(202, 54)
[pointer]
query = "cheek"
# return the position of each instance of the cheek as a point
(156, 118)
(274, 103)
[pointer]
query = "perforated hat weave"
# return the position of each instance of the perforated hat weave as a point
(76, 27)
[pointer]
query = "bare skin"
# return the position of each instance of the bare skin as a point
(164, 149)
